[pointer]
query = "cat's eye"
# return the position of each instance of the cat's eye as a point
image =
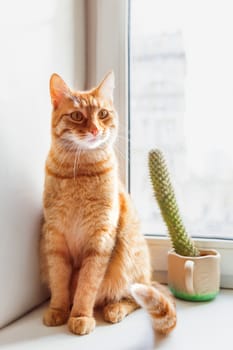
(77, 116)
(103, 113)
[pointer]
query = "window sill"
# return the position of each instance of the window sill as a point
(200, 325)
(28, 333)
(206, 325)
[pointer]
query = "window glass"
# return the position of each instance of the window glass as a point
(182, 103)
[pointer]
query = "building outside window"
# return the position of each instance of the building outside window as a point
(181, 88)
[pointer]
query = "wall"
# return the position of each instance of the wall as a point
(37, 38)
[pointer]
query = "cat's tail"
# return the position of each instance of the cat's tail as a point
(160, 304)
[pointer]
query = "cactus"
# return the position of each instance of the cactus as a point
(165, 196)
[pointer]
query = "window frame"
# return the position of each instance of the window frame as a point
(107, 47)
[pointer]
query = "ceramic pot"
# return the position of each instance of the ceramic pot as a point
(194, 278)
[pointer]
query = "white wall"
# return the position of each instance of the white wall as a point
(37, 38)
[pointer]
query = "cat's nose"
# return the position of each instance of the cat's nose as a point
(94, 131)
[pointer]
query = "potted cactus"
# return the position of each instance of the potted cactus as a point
(193, 274)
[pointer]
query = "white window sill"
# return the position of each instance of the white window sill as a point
(205, 325)
(200, 325)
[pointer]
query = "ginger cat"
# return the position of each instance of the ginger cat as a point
(92, 251)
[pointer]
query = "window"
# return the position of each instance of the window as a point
(181, 102)
(180, 88)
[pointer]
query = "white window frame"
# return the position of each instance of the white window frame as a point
(107, 48)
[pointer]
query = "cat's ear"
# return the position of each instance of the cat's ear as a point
(58, 90)
(106, 87)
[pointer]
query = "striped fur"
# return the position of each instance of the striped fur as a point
(159, 303)
(91, 247)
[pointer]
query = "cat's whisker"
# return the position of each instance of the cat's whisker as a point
(120, 153)
(62, 161)
(124, 133)
(66, 155)
(125, 138)
(76, 161)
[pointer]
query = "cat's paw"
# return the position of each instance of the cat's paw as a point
(114, 313)
(55, 317)
(81, 325)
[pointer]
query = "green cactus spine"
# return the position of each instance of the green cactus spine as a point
(166, 199)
